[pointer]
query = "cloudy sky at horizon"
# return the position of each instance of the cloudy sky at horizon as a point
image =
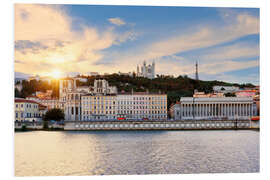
(109, 39)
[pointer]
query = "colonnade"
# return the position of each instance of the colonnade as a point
(208, 110)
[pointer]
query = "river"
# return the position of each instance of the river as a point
(53, 153)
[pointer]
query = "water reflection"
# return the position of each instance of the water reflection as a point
(43, 153)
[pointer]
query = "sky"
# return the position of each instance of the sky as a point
(108, 39)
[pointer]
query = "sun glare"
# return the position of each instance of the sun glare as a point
(56, 74)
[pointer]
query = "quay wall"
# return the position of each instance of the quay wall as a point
(159, 125)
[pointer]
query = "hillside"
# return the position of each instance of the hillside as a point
(181, 86)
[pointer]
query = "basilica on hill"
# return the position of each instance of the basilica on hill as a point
(147, 71)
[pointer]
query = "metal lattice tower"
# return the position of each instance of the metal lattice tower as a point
(196, 73)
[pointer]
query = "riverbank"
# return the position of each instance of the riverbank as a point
(139, 125)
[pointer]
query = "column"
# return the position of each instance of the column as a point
(252, 109)
(233, 112)
(212, 109)
(246, 109)
(240, 108)
(221, 109)
(237, 109)
(230, 109)
(200, 111)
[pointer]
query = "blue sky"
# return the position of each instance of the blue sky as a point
(107, 39)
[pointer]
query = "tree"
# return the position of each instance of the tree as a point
(54, 114)
(230, 95)
(17, 93)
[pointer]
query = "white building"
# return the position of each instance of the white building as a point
(92, 73)
(50, 103)
(142, 105)
(214, 108)
(18, 86)
(103, 103)
(27, 110)
(225, 89)
(147, 71)
(101, 86)
(71, 96)
(98, 107)
(130, 106)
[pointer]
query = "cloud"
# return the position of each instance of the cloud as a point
(126, 36)
(206, 36)
(44, 39)
(195, 38)
(24, 45)
(235, 51)
(117, 21)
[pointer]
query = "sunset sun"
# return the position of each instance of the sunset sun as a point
(56, 74)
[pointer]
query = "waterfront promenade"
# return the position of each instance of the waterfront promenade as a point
(143, 125)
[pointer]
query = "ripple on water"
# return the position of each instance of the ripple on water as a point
(135, 152)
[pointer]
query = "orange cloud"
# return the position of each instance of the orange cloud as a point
(48, 26)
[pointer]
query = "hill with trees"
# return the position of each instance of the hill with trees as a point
(174, 87)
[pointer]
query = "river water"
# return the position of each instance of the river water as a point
(53, 153)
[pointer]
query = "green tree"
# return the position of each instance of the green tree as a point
(230, 95)
(54, 114)
(17, 93)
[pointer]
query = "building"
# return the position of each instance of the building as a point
(202, 94)
(104, 103)
(215, 108)
(52, 103)
(44, 95)
(98, 107)
(246, 93)
(126, 106)
(49, 102)
(147, 71)
(174, 109)
(66, 85)
(18, 86)
(225, 89)
(92, 73)
(142, 105)
(81, 79)
(27, 110)
(101, 86)
(130, 74)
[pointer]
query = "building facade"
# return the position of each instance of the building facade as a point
(225, 89)
(98, 107)
(215, 108)
(147, 71)
(142, 105)
(101, 86)
(27, 110)
(127, 106)
(104, 103)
